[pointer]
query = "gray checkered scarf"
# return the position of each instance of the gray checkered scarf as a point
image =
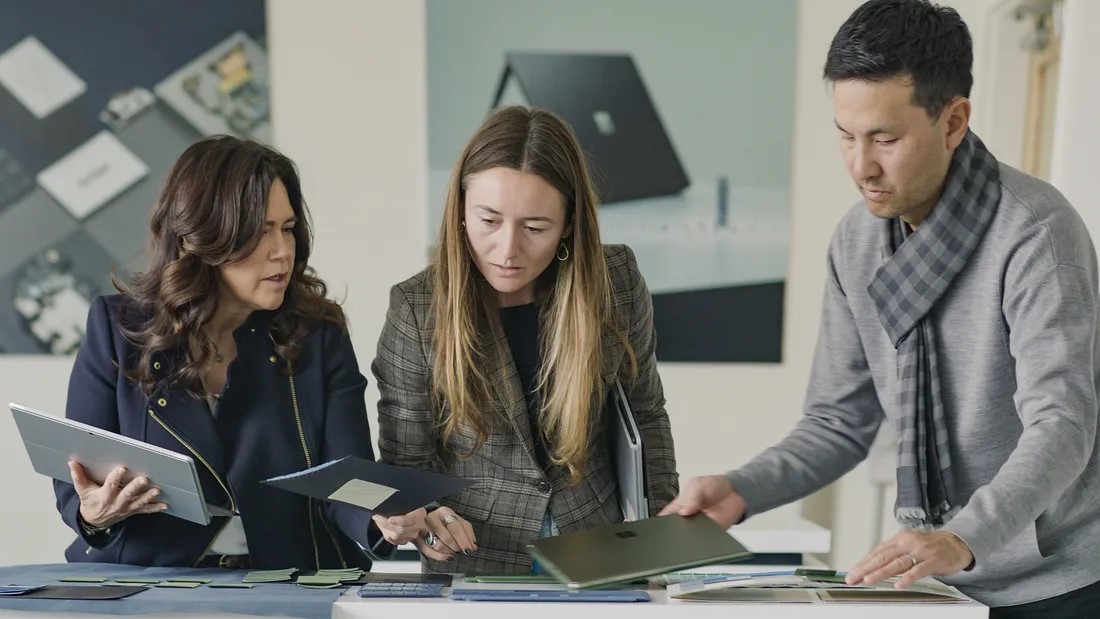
(919, 266)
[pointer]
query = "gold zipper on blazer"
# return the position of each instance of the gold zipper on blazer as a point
(309, 464)
(221, 530)
(225, 487)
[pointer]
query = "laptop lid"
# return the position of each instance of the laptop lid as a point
(626, 551)
(52, 441)
(604, 99)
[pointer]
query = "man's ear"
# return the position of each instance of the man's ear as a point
(956, 121)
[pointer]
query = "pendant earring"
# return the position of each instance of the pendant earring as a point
(562, 248)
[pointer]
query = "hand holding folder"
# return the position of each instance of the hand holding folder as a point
(384, 489)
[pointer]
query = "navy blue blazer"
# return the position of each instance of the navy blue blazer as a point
(267, 424)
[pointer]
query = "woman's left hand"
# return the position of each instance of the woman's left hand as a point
(399, 530)
(452, 532)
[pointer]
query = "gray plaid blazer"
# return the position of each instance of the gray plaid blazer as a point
(507, 506)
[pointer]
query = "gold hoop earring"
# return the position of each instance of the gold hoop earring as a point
(560, 248)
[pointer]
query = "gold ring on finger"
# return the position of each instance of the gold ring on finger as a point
(913, 559)
(449, 518)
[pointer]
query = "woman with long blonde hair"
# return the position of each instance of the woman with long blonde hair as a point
(495, 362)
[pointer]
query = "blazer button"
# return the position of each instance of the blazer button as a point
(162, 402)
(271, 358)
(543, 486)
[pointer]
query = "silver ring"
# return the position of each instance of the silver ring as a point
(449, 518)
(913, 559)
(429, 539)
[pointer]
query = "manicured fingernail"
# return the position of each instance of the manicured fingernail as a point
(467, 551)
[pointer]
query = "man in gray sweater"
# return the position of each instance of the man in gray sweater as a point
(961, 305)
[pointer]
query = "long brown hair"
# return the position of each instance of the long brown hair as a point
(212, 212)
(576, 310)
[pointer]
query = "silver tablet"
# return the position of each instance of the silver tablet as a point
(52, 441)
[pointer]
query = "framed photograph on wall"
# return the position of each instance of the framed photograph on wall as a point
(97, 99)
(685, 111)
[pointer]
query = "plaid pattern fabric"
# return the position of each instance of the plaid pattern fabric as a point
(918, 268)
(509, 503)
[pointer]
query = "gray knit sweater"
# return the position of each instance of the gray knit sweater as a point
(1017, 336)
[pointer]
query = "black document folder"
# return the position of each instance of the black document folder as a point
(83, 592)
(385, 489)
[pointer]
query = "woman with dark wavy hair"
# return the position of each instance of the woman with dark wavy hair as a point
(225, 349)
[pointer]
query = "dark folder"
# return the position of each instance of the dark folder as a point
(82, 592)
(385, 489)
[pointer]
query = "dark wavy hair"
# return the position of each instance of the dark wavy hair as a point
(211, 212)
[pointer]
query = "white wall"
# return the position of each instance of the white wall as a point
(349, 102)
(1075, 161)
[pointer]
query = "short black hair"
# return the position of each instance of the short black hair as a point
(927, 43)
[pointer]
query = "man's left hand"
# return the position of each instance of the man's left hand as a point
(912, 555)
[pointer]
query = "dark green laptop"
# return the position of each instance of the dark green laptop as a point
(626, 551)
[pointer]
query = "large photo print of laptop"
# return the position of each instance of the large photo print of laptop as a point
(51, 442)
(688, 234)
(689, 141)
(685, 233)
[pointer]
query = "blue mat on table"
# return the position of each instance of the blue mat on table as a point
(266, 600)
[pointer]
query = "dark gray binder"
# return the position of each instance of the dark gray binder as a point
(629, 454)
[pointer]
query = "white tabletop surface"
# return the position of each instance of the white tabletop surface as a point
(350, 606)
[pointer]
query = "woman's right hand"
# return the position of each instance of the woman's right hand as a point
(113, 502)
(399, 530)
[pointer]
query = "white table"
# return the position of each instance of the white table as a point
(350, 606)
(783, 532)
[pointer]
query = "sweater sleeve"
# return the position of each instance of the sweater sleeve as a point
(1051, 318)
(841, 417)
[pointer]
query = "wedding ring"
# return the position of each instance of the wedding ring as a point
(449, 518)
(913, 559)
